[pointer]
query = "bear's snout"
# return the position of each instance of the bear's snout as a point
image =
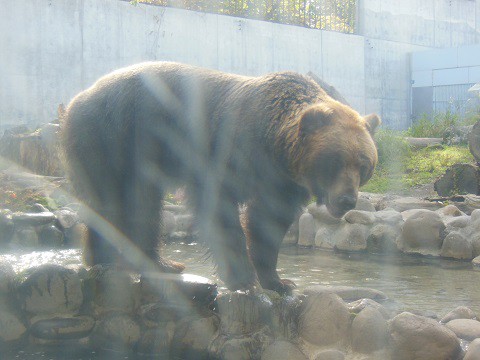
(341, 205)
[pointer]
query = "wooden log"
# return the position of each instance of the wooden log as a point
(419, 143)
(474, 141)
(458, 179)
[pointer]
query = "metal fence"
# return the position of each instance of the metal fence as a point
(336, 15)
(454, 99)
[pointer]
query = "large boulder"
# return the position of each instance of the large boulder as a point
(369, 331)
(467, 329)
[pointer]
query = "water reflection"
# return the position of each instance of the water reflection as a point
(419, 283)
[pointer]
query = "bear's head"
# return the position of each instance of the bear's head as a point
(338, 154)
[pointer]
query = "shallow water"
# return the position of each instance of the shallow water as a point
(420, 284)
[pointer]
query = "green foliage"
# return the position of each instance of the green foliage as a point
(440, 124)
(392, 148)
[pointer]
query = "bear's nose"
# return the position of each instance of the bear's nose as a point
(347, 202)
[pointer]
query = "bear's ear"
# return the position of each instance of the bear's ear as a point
(314, 118)
(372, 121)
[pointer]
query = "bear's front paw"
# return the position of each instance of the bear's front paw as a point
(282, 286)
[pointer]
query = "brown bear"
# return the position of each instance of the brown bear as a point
(267, 142)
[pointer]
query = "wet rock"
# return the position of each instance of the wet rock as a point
(33, 219)
(157, 342)
(415, 337)
(423, 233)
(51, 289)
(7, 276)
(241, 347)
(75, 236)
(389, 217)
(324, 238)
(449, 210)
(324, 319)
(358, 305)
(24, 237)
(461, 312)
(6, 227)
(321, 214)
(62, 328)
(117, 332)
(306, 230)
(157, 313)
(476, 261)
(108, 288)
(369, 331)
(66, 217)
(347, 293)
(184, 223)
(458, 222)
(359, 217)
(168, 223)
(467, 329)
(330, 354)
(456, 246)
(243, 313)
(183, 290)
(51, 237)
(475, 216)
(473, 352)
(11, 328)
(364, 204)
(194, 336)
(475, 238)
(351, 237)
(283, 350)
(286, 311)
(382, 239)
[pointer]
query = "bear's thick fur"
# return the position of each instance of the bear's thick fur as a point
(269, 142)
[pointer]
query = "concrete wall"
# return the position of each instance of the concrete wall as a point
(51, 49)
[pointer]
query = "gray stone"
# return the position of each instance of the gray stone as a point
(283, 350)
(449, 210)
(51, 289)
(6, 227)
(324, 238)
(466, 329)
(473, 352)
(11, 328)
(118, 332)
(322, 215)
(351, 237)
(168, 223)
(423, 233)
(25, 237)
(475, 216)
(194, 336)
(38, 208)
(359, 217)
(382, 239)
(109, 288)
(456, 246)
(347, 293)
(461, 312)
(50, 236)
(369, 331)
(245, 347)
(458, 221)
(157, 313)
(7, 277)
(389, 217)
(76, 235)
(416, 337)
(324, 319)
(330, 354)
(306, 230)
(242, 313)
(406, 203)
(62, 328)
(66, 217)
(476, 261)
(475, 238)
(33, 219)
(157, 341)
(364, 204)
(184, 223)
(286, 310)
(358, 305)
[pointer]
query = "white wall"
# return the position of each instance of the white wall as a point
(52, 49)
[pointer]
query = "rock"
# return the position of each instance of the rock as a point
(291, 237)
(184, 223)
(6, 227)
(351, 237)
(157, 313)
(401, 204)
(358, 305)
(168, 223)
(75, 236)
(476, 261)
(7, 277)
(62, 328)
(283, 350)
(194, 336)
(347, 293)
(324, 238)
(118, 332)
(324, 319)
(475, 215)
(51, 237)
(321, 214)
(306, 230)
(286, 310)
(458, 221)
(51, 289)
(11, 328)
(25, 237)
(423, 233)
(382, 239)
(473, 352)
(66, 217)
(475, 238)
(109, 288)
(330, 354)
(461, 312)
(242, 313)
(456, 246)
(360, 217)
(466, 329)
(369, 331)
(157, 342)
(449, 210)
(416, 337)
(245, 347)
(33, 219)
(389, 217)
(364, 204)
(185, 290)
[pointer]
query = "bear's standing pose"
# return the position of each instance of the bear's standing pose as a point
(268, 142)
